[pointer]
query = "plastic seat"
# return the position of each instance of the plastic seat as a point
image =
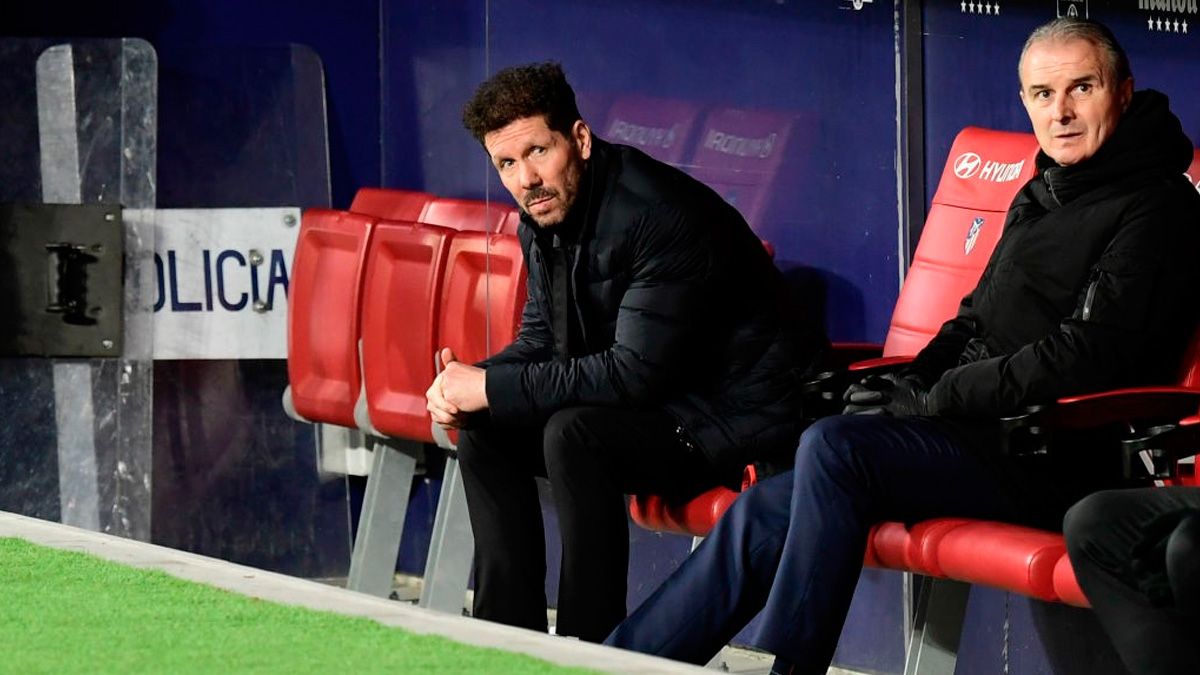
(323, 317)
(401, 304)
(469, 215)
(483, 294)
(390, 203)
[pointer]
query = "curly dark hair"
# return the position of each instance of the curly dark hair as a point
(522, 91)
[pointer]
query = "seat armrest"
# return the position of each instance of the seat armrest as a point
(1138, 405)
(879, 366)
(1031, 431)
(1161, 447)
(823, 393)
(842, 354)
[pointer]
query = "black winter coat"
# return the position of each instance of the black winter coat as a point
(678, 306)
(1092, 286)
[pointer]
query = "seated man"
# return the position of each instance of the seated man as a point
(658, 352)
(1136, 554)
(1091, 286)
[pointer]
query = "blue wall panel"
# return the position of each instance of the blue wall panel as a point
(828, 205)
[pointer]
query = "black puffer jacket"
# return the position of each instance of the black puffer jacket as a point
(1093, 284)
(678, 307)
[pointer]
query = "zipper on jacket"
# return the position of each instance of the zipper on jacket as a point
(1090, 296)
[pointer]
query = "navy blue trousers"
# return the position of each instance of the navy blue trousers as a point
(792, 546)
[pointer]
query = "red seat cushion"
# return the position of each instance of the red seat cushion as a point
(910, 548)
(695, 517)
(1011, 557)
(1066, 587)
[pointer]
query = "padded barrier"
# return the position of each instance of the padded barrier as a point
(323, 317)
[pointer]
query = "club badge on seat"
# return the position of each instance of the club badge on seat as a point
(972, 235)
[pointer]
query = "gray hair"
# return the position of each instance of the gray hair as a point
(1066, 29)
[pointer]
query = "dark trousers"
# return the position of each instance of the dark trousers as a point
(592, 458)
(793, 545)
(1102, 531)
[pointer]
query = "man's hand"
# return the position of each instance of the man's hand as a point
(886, 395)
(456, 392)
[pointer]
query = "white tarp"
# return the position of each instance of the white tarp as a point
(221, 282)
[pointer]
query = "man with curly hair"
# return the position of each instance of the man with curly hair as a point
(658, 352)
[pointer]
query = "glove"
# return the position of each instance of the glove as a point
(887, 395)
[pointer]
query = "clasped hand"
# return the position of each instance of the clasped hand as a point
(457, 391)
(886, 395)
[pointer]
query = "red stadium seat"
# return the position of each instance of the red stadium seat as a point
(390, 204)
(483, 294)
(401, 302)
(469, 215)
(323, 315)
(482, 298)
(983, 173)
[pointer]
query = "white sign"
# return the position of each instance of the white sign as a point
(221, 278)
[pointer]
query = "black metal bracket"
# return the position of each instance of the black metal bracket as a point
(61, 280)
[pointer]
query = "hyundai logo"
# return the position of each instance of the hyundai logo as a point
(966, 165)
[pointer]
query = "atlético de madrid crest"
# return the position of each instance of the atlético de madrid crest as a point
(972, 234)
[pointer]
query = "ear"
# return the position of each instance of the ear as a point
(581, 134)
(1125, 93)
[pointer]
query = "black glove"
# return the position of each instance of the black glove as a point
(887, 395)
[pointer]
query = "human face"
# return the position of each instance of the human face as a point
(540, 167)
(1072, 104)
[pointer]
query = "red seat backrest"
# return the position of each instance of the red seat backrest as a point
(323, 314)
(390, 204)
(469, 215)
(1193, 172)
(483, 294)
(659, 127)
(401, 300)
(983, 173)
